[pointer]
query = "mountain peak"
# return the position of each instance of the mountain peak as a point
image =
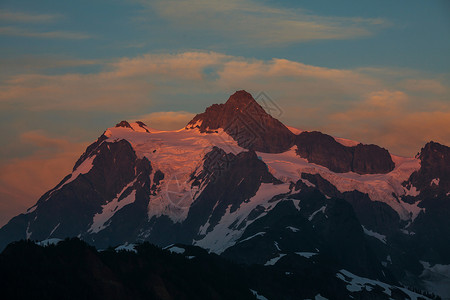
(240, 99)
(138, 126)
(246, 122)
(124, 124)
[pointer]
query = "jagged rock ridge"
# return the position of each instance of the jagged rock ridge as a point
(246, 121)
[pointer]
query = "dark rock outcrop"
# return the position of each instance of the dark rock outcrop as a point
(434, 172)
(231, 180)
(327, 227)
(68, 209)
(324, 150)
(371, 159)
(124, 124)
(142, 125)
(247, 122)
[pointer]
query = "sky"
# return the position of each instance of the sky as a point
(372, 71)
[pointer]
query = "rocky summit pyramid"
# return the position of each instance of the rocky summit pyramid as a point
(239, 183)
(247, 123)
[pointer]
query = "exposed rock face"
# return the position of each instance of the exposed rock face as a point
(434, 172)
(232, 179)
(124, 124)
(433, 182)
(371, 159)
(139, 126)
(68, 209)
(318, 226)
(247, 122)
(142, 125)
(323, 149)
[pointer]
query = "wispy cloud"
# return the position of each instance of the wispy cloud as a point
(166, 120)
(23, 64)
(385, 118)
(399, 110)
(17, 31)
(255, 23)
(349, 103)
(23, 17)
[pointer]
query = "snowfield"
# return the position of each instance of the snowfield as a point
(180, 153)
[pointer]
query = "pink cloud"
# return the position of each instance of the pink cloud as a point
(24, 180)
(167, 120)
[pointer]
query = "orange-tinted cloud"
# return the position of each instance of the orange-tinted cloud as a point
(167, 120)
(384, 118)
(350, 103)
(397, 109)
(24, 180)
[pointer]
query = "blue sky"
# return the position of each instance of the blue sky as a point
(373, 71)
(411, 34)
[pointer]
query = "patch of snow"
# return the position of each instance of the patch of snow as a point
(177, 154)
(108, 210)
(412, 191)
(136, 127)
(346, 142)
(293, 229)
(180, 153)
(288, 166)
(435, 181)
(52, 241)
(175, 249)
(322, 209)
(306, 254)
(414, 210)
(407, 232)
(198, 123)
(31, 209)
(307, 182)
(294, 130)
(167, 247)
(258, 296)
(250, 237)
(28, 233)
(56, 227)
(126, 247)
(437, 279)
(357, 283)
(274, 260)
(222, 237)
(277, 246)
(83, 168)
(380, 237)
